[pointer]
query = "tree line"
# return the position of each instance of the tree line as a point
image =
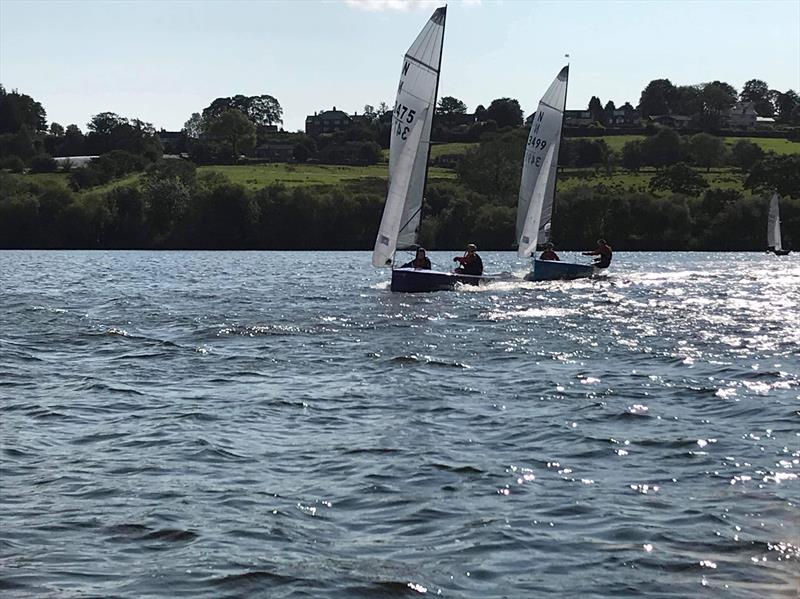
(175, 206)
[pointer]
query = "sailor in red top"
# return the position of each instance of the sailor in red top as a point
(603, 250)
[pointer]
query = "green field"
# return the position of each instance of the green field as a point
(570, 178)
(779, 146)
(301, 175)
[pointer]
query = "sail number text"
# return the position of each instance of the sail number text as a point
(404, 116)
(535, 144)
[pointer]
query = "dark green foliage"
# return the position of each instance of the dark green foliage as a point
(13, 163)
(506, 112)
(494, 168)
(778, 173)
(706, 150)
(745, 154)
(42, 163)
(679, 178)
(20, 110)
(662, 149)
(632, 158)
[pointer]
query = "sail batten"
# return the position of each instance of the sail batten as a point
(540, 166)
(412, 120)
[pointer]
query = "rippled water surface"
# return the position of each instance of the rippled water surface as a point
(280, 425)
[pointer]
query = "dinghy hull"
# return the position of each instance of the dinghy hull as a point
(547, 270)
(410, 280)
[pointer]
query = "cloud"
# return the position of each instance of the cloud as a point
(380, 5)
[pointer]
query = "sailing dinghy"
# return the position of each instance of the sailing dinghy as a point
(409, 151)
(538, 186)
(774, 228)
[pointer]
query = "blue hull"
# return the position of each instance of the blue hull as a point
(409, 280)
(546, 270)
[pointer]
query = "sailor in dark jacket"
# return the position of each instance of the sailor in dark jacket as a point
(420, 261)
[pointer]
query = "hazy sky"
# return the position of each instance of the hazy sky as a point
(161, 61)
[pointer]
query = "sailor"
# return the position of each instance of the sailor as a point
(471, 263)
(603, 251)
(420, 261)
(549, 253)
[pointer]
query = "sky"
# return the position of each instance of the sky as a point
(160, 61)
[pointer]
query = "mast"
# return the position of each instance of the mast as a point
(560, 139)
(435, 99)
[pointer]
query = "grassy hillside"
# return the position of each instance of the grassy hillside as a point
(302, 175)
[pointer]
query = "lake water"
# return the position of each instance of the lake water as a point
(279, 424)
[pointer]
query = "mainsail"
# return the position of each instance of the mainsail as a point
(774, 224)
(537, 189)
(410, 140)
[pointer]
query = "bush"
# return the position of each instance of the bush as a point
(42, 163)
(14, 164)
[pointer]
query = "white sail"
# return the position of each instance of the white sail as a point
(531, 226)
(774, 224)
(393, 212)
(544, 139)
(414, 106)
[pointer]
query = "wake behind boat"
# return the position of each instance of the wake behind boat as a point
(538, 186)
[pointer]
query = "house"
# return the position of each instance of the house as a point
(329, 121)
(622, 117)
(172, 141)
(743, 115)
(275, 151)
(674, 121)
(577, 118)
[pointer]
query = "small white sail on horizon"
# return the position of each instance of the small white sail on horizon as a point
(412, 120)
(774, 224)
(539, 169)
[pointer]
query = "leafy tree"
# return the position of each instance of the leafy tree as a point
(779, 173)
(786, 104)
(234, 131)
(194, 126)
(688, 100)
(608, 111)
(369, 112)
(74, 142)
(745, 154)
(13, 163)
(506, 112)
(494, 167)
(596, 110)
(56, 130)
(480, 113)
(707, 150)
(679, 178)
(449, 105)
(632, 156)
(259, 110)
(18, 110)
(758, 92)
(718, 97)
(42, 163)
(657, 98)
(662, 149)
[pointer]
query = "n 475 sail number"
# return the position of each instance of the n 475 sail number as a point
(404, 116)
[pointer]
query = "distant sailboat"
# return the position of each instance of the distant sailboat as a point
(774, 228)
(408, 162)
(538, 185)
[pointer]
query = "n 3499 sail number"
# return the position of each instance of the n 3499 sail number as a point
(404, 116)
(534, 144)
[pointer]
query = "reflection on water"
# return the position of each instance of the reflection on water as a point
(281, 425)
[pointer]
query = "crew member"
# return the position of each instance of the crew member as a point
(603, 253)
(471, 263)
